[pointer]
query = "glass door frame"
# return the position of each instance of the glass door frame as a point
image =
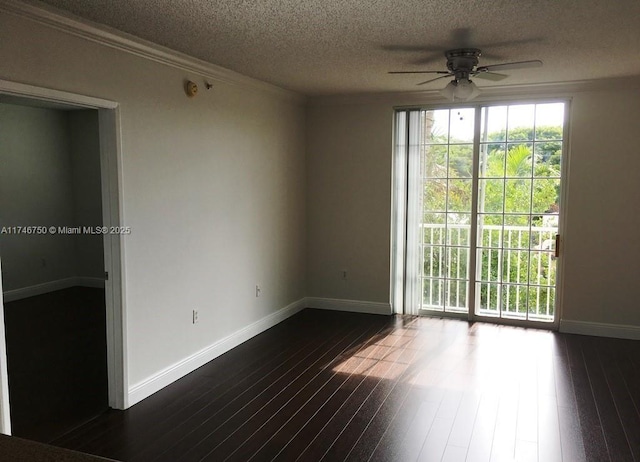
(400, 286)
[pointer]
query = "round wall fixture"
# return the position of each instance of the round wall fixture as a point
(191, 89)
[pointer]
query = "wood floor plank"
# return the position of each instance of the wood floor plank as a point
(343, 386)
(481, 442)
(144, 420)
(374, 418)
(572, 446)
(319, 419)
(227, 411)
(504, 437)
(614, 434)
(174, 417)
(266, 443)
(591, 428)
(327, 442)
(549, 439)
(625, 406)
(283, 406)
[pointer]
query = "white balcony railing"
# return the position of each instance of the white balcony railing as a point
(515, 276)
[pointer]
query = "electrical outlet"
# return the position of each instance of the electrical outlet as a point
(258, 290)
(344, 273)
(195, 317)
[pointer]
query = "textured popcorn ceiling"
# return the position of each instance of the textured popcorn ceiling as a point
(347, 46)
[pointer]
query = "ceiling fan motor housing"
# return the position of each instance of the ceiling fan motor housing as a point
(462, 61)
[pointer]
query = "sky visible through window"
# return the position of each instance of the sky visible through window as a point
(551, 114)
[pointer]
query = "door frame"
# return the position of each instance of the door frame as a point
(111, 176)
(399, 201)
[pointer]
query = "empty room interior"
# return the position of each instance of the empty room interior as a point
(282, 230)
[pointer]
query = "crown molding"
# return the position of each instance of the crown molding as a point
(113, 38)
(489, 94)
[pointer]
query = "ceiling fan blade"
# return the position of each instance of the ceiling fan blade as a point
(491, 76)
(506, 66)
(418, 72)
(433, 80)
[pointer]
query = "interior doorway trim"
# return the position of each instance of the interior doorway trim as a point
(110, 163)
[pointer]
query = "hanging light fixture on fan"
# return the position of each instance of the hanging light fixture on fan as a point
(460, 90)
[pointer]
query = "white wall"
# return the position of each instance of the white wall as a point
(213, 188)
(349, 159)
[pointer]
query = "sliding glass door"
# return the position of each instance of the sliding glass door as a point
(481, 210)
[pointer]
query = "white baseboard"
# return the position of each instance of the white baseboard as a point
(51, 286)
(165, 377)
(599, 329)
(355, 306)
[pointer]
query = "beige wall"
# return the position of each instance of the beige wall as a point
(602, 249)
(50, 176)
(35, 190)
(213, 188)
(349, 197)
(349, 202)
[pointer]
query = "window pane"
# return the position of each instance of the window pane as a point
(495, 160)
(434, 218)
(517, 221)
(549, 121)
(459, 196)
(462, 122)
(435, 161)
(432, 293)
(548, 157)
(546, 195)
(455, 295)
(491, 197)
(494, 124)
(435, 195)
(433, 233)
(489, 261)
(490, 235)
(460, 160)
(519, 160)
(517, 196)
(433, 262)
(488, 297)
(458, 235)
(515, 266)
(457, 262)
(520, 120)
(514, 301)
(516, 237)
(437, 126)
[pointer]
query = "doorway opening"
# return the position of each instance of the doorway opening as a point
(478, 211)
(61, 318)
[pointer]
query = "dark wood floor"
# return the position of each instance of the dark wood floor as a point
(57, 361)
(338, 386)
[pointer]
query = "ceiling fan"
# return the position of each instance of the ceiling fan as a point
(462, 64)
